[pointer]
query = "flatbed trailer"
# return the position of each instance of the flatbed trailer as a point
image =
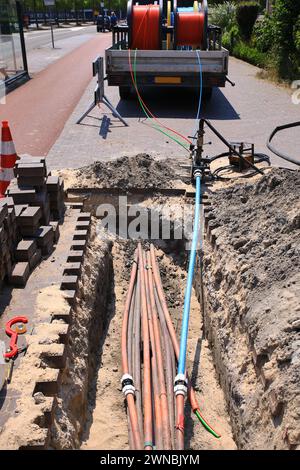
(165, 68)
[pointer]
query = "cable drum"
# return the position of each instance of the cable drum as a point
(190, 26)
(145, 26)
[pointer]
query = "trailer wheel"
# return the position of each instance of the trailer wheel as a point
(124, 92)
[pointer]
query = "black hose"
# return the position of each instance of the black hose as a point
(258, 158)
(231, 148)
(274, 150)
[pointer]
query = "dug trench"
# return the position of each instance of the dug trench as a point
(91, 412)
(243, 349)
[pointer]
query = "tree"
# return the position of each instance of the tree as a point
(285, 18)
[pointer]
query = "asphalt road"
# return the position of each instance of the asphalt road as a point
(37, 39)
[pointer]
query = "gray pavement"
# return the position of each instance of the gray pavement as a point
(249, 112)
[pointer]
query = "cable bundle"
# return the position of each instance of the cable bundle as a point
(148, 377)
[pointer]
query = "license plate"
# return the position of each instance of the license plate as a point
(167, 80)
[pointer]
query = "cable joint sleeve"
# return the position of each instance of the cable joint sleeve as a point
(127, 385)
(180, 385)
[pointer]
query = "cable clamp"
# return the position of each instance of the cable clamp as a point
(197, 173)
(127, 385)
(180, 385)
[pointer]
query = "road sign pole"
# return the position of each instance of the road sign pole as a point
(52, 35)
(50, 3)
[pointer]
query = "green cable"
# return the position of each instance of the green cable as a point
(206, 425)
(147, 115)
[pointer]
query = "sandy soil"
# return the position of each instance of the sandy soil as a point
(141, 171)
(252, 290)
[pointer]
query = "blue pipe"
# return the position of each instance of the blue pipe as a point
(189, 285)
(200, 93)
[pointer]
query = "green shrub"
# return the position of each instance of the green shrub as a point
(243, 51)
(246, 15)
(223, 15)
(263, 34)
(230, 38)
(285, 16)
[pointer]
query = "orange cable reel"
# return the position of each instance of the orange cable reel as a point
(145, 26)
(190, 26)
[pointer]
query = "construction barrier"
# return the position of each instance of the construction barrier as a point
(8, 158)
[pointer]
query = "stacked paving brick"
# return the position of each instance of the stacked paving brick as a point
(72, 270)
(29, 217)
(9, 237)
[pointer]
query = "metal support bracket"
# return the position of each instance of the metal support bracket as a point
(99, 96)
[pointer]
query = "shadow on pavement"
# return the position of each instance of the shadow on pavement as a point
(178, 104)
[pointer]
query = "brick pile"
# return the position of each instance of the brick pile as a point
(29, 219)
(9, 237)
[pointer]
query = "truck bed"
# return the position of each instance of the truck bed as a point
(167, 68)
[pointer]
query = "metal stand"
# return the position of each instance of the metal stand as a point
(99, 96)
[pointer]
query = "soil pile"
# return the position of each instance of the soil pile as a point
(142, 171)
(253, 286)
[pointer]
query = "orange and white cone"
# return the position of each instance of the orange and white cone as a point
(8, 158)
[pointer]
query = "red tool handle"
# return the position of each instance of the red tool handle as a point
(14, 336)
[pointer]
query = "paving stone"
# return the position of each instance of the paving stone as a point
(48, 382)
(80, 235)
(72, 269)
(35, 259)
(8, 201)
(19, 208)
(83, 225)
(54, 355)
(69, 282)
(52, 184)
(28, 231)
(55, 227)
(30, 169)
(70, 296)
(25, 250)
(30, 216)
(44, 234)
(35, 181)
(74, 205)
(84, 216)
(22, 196)
(75, 256)
(20, 274)
(64, 315)
(78, 245)
(3, 212)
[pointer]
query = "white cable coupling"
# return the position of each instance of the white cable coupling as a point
(127, 385)
(180, 385)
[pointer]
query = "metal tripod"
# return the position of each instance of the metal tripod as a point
(99, 96)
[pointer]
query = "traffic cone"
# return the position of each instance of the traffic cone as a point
(8, 158)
